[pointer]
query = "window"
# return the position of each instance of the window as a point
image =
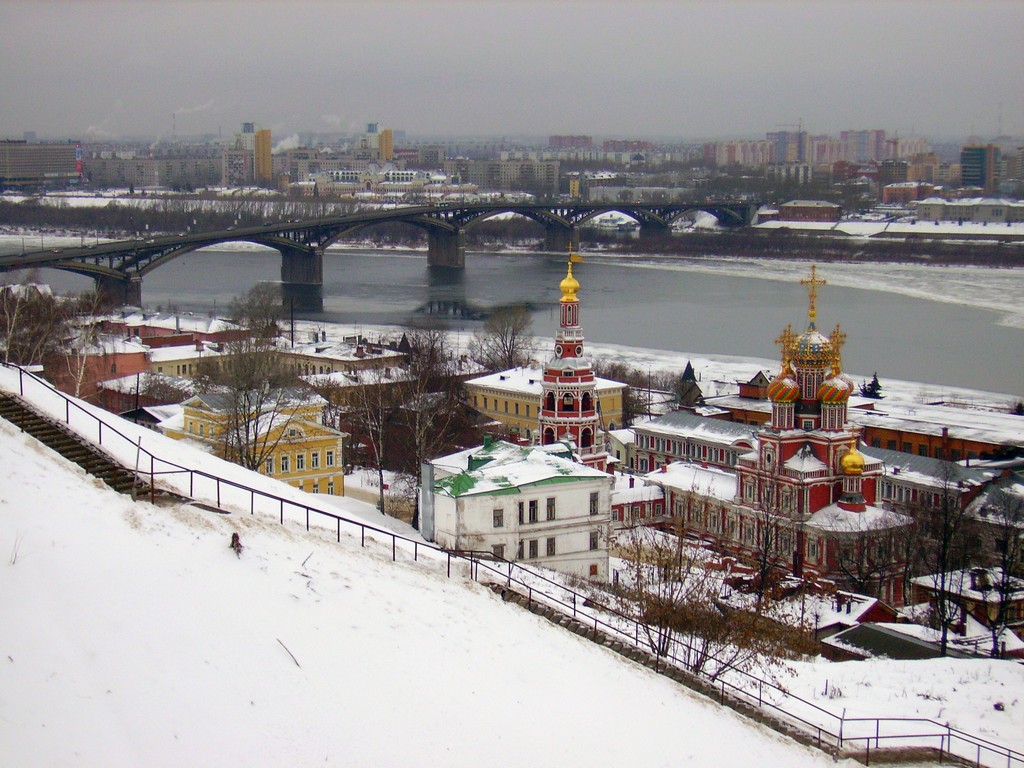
(517, 409)
(191, 427)
(330, 458)
(533, 548)
(595, 539)
(285, 463)
(202, 429)
(316, 486)
(594, 497)
(314, 460)
(330, 487)
(593, 569)
(269, 466)
(498, 550)
(533, 510)
(550, 547)
(551, 508)
(498, 516)
(520, 513)
(300, 462)
(519, 550)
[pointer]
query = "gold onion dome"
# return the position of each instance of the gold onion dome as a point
(811, 349)
(782, 389)
(852, 462)
(835, 390)
(569, 286)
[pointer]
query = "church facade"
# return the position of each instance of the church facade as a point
(804, 497)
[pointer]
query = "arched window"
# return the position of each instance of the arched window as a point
(588, 402)
(549, 436)
(549, 402)
(568, 401)
(586, 438)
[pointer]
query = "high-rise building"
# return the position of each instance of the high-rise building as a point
(262, 163)
(979, 164)
(38, 165)
(386, 145)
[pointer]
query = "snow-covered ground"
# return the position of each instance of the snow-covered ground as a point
(133, 635)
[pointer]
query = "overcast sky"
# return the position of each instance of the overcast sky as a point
(630, 68)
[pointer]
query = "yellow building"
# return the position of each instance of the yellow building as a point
(262, 162)
(386, 145)
(513, 398)
(289, 442)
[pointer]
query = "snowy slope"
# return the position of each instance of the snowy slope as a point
(132, 635)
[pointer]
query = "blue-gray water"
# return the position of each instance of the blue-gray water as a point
(697, 312)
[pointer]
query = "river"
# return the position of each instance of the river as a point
(961, 327)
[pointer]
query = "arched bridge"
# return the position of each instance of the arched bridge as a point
(119, 267)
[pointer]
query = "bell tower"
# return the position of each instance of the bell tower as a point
(569, 408)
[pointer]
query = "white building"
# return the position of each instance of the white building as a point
(530, 504)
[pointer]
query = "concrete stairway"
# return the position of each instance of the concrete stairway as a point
(68, 445)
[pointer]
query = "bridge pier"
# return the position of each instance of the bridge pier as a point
(121, 291)
(559, 239)
(652, 232)
(446, 249)
(302, 279)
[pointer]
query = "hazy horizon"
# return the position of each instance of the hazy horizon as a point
(682, 70)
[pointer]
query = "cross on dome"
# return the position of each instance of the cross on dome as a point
(785, 342)
(812, 292)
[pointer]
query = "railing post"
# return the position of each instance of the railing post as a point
(338, 520)
(362, 538)
(307, 518)
(449, 564)
(394, 541)
(21, 381)
(282, 511)
(67, 411)
(218, 493)
(415, 551)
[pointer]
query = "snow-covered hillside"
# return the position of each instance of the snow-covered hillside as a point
(133, 635)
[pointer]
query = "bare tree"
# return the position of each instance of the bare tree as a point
(256, 388)
(33, 323)
(1003, 586)
(946, 547)
(506, 339)
(672, 588)
(869, 556)
(431, 395)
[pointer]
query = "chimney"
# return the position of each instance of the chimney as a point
(631, 480)
(360, 352)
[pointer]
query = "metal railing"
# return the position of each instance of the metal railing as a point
(825, 728)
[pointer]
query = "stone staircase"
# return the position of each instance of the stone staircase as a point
(69, 445)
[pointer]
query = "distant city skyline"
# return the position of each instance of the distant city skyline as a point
(687, 70)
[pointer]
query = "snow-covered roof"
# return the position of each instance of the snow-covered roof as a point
(181, 352)
(528, 381)
(926, 471)
(835, 519)
(688, 476)
(685, 424)
(641, 489)
(804, 460)
(502, 467)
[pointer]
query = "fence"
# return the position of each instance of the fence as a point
(825, 728)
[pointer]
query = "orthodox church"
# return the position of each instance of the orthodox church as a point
(804, 495)
(569, 411)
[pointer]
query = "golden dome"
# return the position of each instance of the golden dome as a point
(852, 462)
(569, 286)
